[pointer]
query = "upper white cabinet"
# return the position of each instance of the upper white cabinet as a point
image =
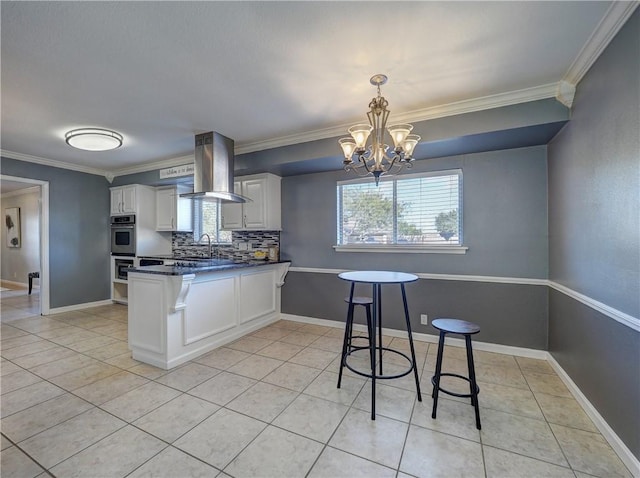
(123, 200)
(232, 214)
(262, 211)
(173, 213)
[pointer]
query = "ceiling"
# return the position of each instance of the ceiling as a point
(267, 73)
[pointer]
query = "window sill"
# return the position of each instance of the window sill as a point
(389, 248)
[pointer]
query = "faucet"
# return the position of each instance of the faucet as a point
(208, 240)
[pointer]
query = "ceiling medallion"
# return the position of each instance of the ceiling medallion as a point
(93, 139)
(375, 158)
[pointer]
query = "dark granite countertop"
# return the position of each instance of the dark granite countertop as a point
(167, 257)
(190, 266)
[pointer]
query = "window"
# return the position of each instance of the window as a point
(414, 210)
(206, 220)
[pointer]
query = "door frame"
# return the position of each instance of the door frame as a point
(44, 237)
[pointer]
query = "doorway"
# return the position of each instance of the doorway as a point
(25, 247)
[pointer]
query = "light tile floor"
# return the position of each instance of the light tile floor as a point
(74, 403)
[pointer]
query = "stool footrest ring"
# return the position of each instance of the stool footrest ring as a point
(382, 377)
(454, 394)
(363, 337)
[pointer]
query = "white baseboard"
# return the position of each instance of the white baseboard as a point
(86, 305)
(614, 440)
(22, 285)
(607, 432)
(484, 346)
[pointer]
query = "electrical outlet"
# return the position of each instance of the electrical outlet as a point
(424, 319)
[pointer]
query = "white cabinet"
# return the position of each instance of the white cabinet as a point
(232, 216)
(176, 318)
(173, 213)
(262, 211)
(123, 200)
(139, 200)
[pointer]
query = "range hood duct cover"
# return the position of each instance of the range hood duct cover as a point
(213, 169)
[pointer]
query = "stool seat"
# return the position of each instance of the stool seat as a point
(360, 300)
(455, 326)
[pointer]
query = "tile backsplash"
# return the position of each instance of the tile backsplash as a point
(183, 245)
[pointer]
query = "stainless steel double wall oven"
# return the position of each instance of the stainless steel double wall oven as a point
(123, 235)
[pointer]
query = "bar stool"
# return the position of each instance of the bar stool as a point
(31, 276)
(365, 302)
(467, 329)
(347, 344)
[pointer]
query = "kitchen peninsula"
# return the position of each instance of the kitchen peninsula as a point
(179, 312)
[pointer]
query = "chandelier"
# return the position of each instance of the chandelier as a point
(376, 158)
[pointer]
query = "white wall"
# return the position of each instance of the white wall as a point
(18, 262)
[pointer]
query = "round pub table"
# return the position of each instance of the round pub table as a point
(377, 279)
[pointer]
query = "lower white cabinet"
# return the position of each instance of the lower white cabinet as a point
(176, 318)
(173, 213)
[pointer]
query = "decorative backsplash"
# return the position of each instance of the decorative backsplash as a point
(183, 245)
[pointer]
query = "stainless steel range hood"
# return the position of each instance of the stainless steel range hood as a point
(213, 169)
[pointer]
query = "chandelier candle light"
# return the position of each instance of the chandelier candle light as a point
(375, 158)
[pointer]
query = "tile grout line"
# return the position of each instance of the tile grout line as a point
(298, 395)
(70, 418)
(105, 411)
(546, 420)
(325, 445)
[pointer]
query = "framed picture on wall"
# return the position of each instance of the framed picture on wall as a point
(12, 223)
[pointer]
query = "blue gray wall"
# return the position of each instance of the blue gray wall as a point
(594, 246)
(504, 208)
(505, 228)
(79, 267)
(508, 314)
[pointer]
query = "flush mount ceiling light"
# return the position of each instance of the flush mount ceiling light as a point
(375, 158)
(93, 139)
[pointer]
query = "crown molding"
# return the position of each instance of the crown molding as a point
(565, 93)
(109, 175)
(166, 163)
(53, 163)
(613, 20)
(460, 107)
(482, 103)
(451, 109)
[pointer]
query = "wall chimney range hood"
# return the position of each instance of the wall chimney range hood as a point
(213, 169)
